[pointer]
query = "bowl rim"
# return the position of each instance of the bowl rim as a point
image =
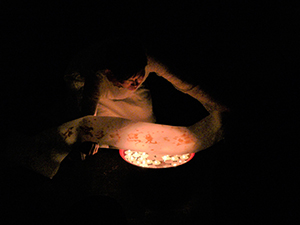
(122, 154)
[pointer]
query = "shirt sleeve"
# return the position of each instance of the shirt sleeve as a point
(191, 89)
(208, 130)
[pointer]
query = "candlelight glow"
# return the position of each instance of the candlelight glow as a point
(155, 138)
(143, 159)
(148, 138)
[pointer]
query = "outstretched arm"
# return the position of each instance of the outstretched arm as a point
(208, 130)
(44, 151)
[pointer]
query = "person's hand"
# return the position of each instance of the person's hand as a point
(87, 149)
(84, 135)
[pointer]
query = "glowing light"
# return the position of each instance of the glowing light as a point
(143, 159)
(136, 154)
(174, 158)
(166, 157)
(149, 161)
(156, 162)
(146, 137)
(128, 152)
(144, 155)
(185, 156)
(155, 138)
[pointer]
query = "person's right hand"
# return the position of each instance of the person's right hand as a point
(87, 149)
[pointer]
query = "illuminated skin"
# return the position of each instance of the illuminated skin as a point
(131, 84)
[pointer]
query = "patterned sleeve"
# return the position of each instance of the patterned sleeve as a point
(209, 130)
(193, 90)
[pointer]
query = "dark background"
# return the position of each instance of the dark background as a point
(243, 54)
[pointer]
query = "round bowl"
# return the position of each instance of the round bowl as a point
(146, 160)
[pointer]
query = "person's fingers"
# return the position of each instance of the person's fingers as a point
(87, 149)
(96, 148)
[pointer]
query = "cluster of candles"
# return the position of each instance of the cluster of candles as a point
(143, 159)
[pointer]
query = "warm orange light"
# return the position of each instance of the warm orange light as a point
(143, 159)
(154, 139)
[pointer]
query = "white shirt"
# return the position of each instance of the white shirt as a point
(117, 102)
(120, 102)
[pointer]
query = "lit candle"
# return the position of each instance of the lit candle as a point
(144, 155)
(174, 158)
(140, 159)
(136, 154)
(156, 162)
(185, 156)
(128, 152)
(144, 164)
(149, 161)
(144, 159)
(166, 157)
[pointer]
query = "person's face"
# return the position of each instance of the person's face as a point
(132, 83)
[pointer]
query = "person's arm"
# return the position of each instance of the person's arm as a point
(85, 90)
(208, 130)
(44, 151)
(91, 94)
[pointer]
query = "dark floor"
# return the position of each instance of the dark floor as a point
(248, 185)
(245, 63)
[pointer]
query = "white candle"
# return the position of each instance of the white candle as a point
(149, 161)
(140, 159)
(128, 152)
(144, 159)
(136, 154)
(166, 157)
(156, 162)
(174, 158)
(144, 155)
(185, 156)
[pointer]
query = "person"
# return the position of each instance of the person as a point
(106, 81)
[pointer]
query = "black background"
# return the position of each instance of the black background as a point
(243, 54)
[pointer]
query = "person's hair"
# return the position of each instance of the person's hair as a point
(125, 57)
